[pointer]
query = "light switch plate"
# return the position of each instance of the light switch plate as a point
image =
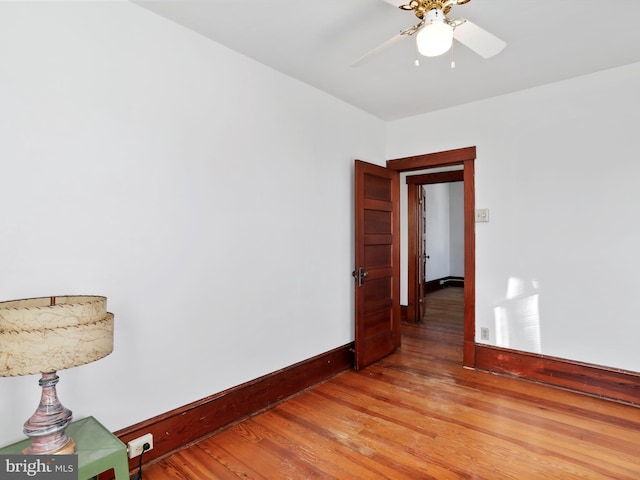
(482, 214)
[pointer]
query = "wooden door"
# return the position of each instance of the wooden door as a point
(416, 252)
(422, 250)
(377, 268)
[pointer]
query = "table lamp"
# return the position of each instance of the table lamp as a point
(44, 335)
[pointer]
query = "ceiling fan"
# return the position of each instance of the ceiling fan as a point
(435, 32)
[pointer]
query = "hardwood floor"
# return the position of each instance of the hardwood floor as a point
(445, 306)
(417, 414)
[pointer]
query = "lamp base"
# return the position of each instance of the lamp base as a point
(68, 449)
(47, 425)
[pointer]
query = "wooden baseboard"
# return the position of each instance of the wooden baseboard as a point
(437, 284)
(180, 427)
(619, 385)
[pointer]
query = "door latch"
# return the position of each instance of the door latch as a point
(360, 275)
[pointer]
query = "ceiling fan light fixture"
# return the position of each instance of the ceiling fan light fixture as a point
(436, 37)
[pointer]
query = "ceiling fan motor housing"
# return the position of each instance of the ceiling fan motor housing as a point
(422, 7)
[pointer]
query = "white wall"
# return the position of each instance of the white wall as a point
(456, 229)
(207, 196)
(445, 230)
(556, 266)
(437, 214)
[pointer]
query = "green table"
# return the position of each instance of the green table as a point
(97, 448)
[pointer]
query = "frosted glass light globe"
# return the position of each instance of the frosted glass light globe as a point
(436, 37)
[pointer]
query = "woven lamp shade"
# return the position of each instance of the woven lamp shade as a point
(47, 334)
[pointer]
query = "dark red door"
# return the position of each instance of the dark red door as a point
(377, 257)
(422, 251)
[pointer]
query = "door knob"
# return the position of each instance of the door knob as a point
(360, 275)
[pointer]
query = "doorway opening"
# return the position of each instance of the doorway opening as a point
(464, 157)
(435, 233)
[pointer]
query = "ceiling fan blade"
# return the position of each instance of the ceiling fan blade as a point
(372, 53)
(397, 3)
(392, 41)
(478, 39)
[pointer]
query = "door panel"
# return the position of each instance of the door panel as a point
(377, 256)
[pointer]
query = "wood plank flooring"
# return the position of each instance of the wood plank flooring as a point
(417, 414)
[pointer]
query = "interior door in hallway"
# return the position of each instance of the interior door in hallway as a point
(416, 252)
(377, 263)
(422, 250)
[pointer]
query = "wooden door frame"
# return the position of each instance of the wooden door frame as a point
(414, 182)
(465, 157)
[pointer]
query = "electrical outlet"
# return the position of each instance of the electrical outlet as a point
(484, 333)
(136, 446)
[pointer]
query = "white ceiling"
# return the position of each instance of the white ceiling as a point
(317, 41)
